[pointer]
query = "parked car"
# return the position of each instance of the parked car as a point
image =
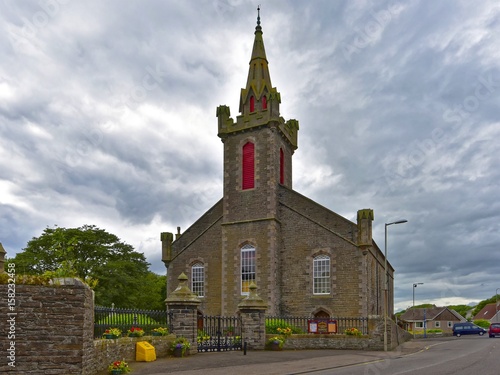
(494, 330)
(467, 328)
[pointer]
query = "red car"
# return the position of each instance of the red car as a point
(494, 330)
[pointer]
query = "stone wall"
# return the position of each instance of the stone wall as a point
(104, 352)
(373, 341)
(202, 249)
(302, 342)
(52, 332)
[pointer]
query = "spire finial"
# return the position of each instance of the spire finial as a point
(258, 15)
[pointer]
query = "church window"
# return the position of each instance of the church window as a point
(264, 102)
(252, 104)
(321, 274)
(247, 268)
(248, 175)
(198, 279)
(282, 167)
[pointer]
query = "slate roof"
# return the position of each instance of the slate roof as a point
(431, 313)
(487, 312)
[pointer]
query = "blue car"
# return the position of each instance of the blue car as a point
(467, 328)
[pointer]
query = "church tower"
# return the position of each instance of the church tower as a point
(258, 151)
(305, 259)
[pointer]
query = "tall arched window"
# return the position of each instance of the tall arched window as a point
(282, 167)
(198, 279)
(264, 102)
(321, 274)
(252, 104)
(248, 167)
(247, 268)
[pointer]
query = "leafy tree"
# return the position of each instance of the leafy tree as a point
(89, 252)
(461, 309)
(154, 292)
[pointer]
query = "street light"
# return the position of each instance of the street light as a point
(386, 307)
(496, 304)
(413, 327)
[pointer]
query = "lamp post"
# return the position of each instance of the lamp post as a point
(413, 327)
(496, 304)
(386, 307)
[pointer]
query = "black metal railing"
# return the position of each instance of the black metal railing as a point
(300, 325)
(124, 319)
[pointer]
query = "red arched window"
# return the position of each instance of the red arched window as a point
(282, 167)
(252, 104)
(264, 102)
(248, 170)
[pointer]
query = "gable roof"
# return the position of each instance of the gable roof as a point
(431, 313)
(487, 312)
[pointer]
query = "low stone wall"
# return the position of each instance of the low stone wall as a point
(373, 341)
(402, 335)
(124, 348)
(310, 341)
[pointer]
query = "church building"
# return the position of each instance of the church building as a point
(305, 259)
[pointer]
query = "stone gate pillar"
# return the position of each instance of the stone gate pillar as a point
(253, 318)
(183, 305)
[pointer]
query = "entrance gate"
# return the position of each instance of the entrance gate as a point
(219, 333)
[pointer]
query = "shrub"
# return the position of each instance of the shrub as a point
(272, 326)
(352, 332)
(119, 318)
(482, 323)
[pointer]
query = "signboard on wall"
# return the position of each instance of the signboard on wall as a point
(322, 326)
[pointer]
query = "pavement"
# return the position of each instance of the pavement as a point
(286, 362)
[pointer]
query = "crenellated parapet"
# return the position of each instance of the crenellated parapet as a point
(291, 128)
(226, 123)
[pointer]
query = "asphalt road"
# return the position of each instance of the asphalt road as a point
(467, 355)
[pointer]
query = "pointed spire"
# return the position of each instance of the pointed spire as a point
(259, 80)
(259, 100)
(258, 51)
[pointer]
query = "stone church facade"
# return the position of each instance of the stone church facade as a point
(305, 259)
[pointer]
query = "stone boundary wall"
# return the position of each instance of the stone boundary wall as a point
(310, 341)
(51, 331)
(106, 351)
(373, 341)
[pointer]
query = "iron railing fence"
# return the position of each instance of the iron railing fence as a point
(300, 325)
(124, 319)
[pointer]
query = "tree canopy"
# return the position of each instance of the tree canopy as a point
(89, 252)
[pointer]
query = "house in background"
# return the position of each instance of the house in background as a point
(441, 318)
(305, 259)
(489, 312)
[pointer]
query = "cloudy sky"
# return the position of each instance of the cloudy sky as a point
(107, 117)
